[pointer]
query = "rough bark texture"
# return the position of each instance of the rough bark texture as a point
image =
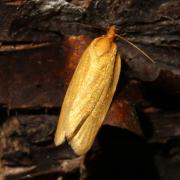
(41, 42)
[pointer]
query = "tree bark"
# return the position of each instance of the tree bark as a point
(40, 46)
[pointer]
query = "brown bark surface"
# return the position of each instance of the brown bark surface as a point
(40, 46)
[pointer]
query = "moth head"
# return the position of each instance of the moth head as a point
(111, 33)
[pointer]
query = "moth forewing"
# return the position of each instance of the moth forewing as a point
(70, 95)
(89, 90)
(84, 138)
(89, 94)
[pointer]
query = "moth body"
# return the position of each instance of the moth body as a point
(89, 94)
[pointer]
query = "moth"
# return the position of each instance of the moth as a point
(89, 94)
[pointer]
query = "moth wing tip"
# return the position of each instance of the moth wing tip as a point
(78, 148)
(59, 139)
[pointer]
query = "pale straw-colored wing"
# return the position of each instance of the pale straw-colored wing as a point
(84, 137)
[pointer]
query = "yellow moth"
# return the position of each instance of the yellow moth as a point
(89, 94)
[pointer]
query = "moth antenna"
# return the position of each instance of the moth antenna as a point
(136, 48)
